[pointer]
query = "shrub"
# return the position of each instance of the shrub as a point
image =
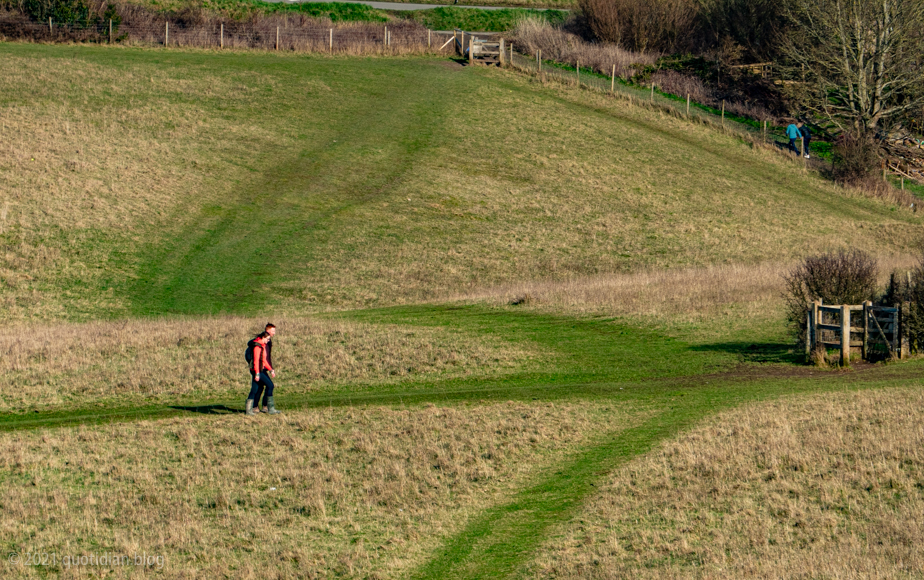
(855, 157)
(914, 316)
(558, 44)
(60, 11)
(681, 84)
(642, 25)
(844, 277)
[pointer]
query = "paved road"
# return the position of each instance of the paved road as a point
(399, 5)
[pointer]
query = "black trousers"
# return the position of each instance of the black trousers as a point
(256, 387)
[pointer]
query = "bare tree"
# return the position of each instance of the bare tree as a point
(861, 59)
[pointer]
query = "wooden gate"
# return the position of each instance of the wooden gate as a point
(875, 330)
(477, 48)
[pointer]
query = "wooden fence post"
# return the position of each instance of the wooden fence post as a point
(723, 112)
(688, 104)
(539, 60)
(429, 39)
(277, 38)
(511, 54)
(110, 31)
(816, 320)
(845, 335)
(503, 52)
(808, 334)
(50, 29)
(578, 69)
(330, 45)
(613, 80)
(221, 36)
(471, 49)
(867, 309)
(897, 333)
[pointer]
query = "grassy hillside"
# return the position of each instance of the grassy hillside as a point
(807, 486)
(155, 182)
(495, 299)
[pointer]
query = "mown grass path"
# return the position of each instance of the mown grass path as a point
(228, 257)
(234, 253)
(599, 359)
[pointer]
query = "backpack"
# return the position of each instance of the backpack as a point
(248, 354)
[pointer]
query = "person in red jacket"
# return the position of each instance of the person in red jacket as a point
(262, 373)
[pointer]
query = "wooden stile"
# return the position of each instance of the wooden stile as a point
(880, 325)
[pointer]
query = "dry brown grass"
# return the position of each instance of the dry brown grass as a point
(827, 486)
(83, 178)
(714, 299)
(532, 35)
(312, 494)
(598, 187)
(581, 197)
(61, 365)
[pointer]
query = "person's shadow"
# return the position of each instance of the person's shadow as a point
(762, 352)
(208, 409)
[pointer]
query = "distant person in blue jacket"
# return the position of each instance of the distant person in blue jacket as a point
(806, 138)
(794, 131)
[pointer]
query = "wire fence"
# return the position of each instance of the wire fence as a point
(757, 133)
(650, 96)
(353, 40)
(296, 33)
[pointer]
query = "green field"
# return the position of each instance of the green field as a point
(439, 17)
(494, 298)
(450, 18)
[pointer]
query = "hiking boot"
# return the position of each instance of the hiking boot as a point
(248, 407)
(270, 407)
